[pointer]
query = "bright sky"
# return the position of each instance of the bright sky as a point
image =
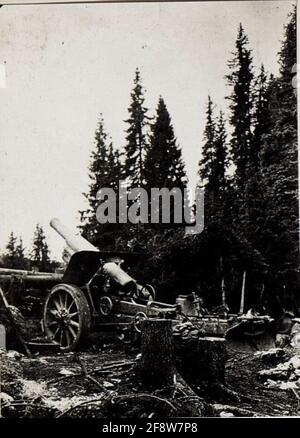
(65, 64)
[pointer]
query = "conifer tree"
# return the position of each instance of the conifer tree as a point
(22, 261)
(280, 173)
(14, 256)
(164, 166)
(214, 161)
(11, 256)
(208, 149)
(105, 171)
(135, 147)
(241, 102)
(252, 205)
(40, 252)
(261, 118)
(219, 180)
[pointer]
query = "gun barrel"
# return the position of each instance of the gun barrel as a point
(116, 273)
(75, 242)
(10, 271)
(6, 275)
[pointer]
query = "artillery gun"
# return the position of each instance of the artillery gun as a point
(96, 292)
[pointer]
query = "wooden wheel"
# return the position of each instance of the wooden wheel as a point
(67, 317)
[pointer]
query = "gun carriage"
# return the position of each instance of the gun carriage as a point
(96, 293)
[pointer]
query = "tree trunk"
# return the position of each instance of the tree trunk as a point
(156, 366)
(202, 361)
(212, 356)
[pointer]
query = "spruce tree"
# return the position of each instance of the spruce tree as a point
(288, 52)
(208, 149)
(212, 171)
(164, 166)
(11, 255)
(136, 135)
(252, 206)
(220, 162)
(241, 102)
(22, 262)
(14, 256)
(40, 252)
(104, 171)
(261, 117)
(280, 174)
(214, 161)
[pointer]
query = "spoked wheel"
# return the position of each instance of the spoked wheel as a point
(67, 317)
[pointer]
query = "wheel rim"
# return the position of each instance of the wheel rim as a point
(139, 317)
(105, 305)
(146, 288)
(151, 291)
(62, 318)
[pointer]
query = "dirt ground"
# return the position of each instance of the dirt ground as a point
(242, 375)
(102, 383)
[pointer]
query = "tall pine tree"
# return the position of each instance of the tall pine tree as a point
(261, 117)
(136, 135)
(40, 252)
(241, 102)
(105, 171)
(14, 256)
(280, 176)
(220, 164)
(214, 161)
(208, 149)
(164, 166)
(11, 256)
(253, 201)
(22, 261)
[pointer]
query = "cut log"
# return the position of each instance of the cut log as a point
(156, 366)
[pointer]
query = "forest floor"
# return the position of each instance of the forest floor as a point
(102, 383)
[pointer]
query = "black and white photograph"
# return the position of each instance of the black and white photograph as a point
(149, 236)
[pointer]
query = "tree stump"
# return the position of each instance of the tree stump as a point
(156, 366)
(211, 359)
(202, 360)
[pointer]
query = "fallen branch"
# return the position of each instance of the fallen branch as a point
(224, 390)
(99, 370)
(114, 365)
(88, 376)
(24, 405)
(218, 408)
(297, 397)
(86, 402)
(142, 395)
